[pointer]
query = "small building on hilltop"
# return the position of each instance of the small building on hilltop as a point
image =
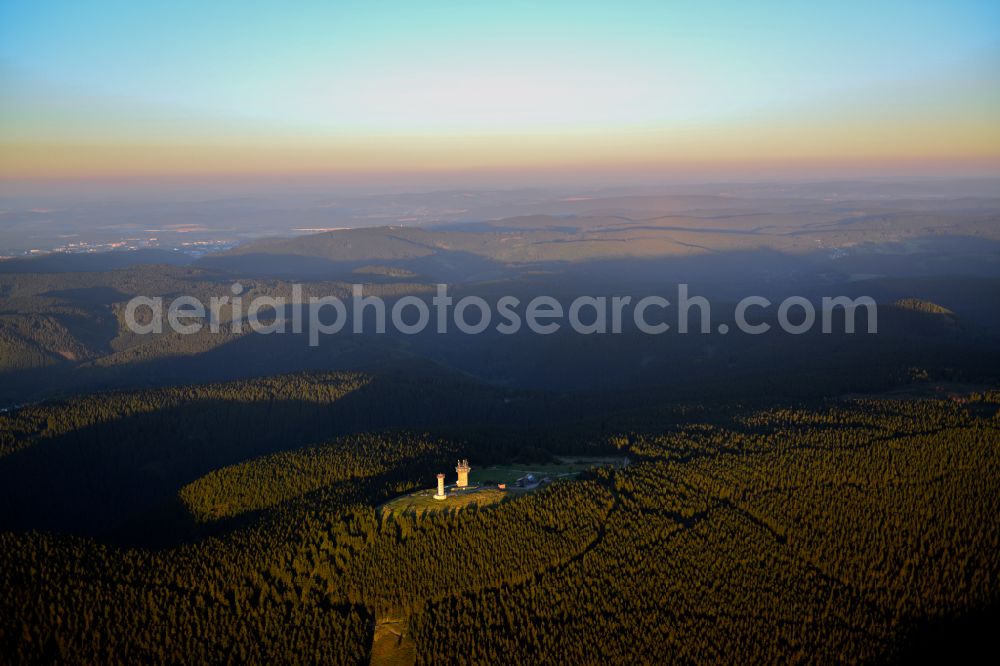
(463, 470)
(440, 493)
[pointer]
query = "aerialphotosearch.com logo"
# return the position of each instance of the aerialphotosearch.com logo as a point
(471, 315)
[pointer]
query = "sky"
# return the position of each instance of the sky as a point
(202, 89)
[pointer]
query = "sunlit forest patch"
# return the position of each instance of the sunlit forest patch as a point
(835, 526)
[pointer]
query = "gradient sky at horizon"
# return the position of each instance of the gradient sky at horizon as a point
(108, 89)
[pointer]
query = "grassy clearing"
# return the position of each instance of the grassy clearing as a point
(567, 466)
(423, 500)
(392, 644)
(483, 491)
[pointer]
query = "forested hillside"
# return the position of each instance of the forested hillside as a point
(793, 531)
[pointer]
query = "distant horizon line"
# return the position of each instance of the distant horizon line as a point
(482, 180)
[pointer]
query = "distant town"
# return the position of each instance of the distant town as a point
(195, 248)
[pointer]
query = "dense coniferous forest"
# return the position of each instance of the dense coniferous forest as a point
(795, 531)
